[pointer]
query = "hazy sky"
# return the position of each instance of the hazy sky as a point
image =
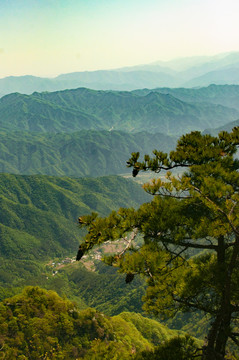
(49, 37)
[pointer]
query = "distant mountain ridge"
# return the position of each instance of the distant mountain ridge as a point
(182, 72)
(226, 95)
(78, 109)
(83, 132)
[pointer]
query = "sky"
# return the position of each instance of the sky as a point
(51, 37)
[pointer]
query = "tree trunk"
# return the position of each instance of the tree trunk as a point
(209, 351)
(219, 332)
(223, 333)
(218, 335)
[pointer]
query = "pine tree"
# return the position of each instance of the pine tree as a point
(190, 230)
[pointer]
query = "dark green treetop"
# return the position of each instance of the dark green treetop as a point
(190, 230)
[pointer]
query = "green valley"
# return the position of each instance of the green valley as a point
(38, 220)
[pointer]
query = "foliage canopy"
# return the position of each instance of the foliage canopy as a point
(190, 252)
(38, 324)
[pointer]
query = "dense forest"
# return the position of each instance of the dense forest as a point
(40, 325)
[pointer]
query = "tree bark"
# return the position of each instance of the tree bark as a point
(220, 330)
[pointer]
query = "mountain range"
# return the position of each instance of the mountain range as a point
(78, 109)
(182, 72)
(226, 95)
(83, 132)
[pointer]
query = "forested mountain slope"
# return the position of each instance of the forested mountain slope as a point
(39, 214)
(72, 110)
(40, 324)
(38, 225)
(82, 153)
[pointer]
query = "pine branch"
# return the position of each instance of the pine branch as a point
(129, 242)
